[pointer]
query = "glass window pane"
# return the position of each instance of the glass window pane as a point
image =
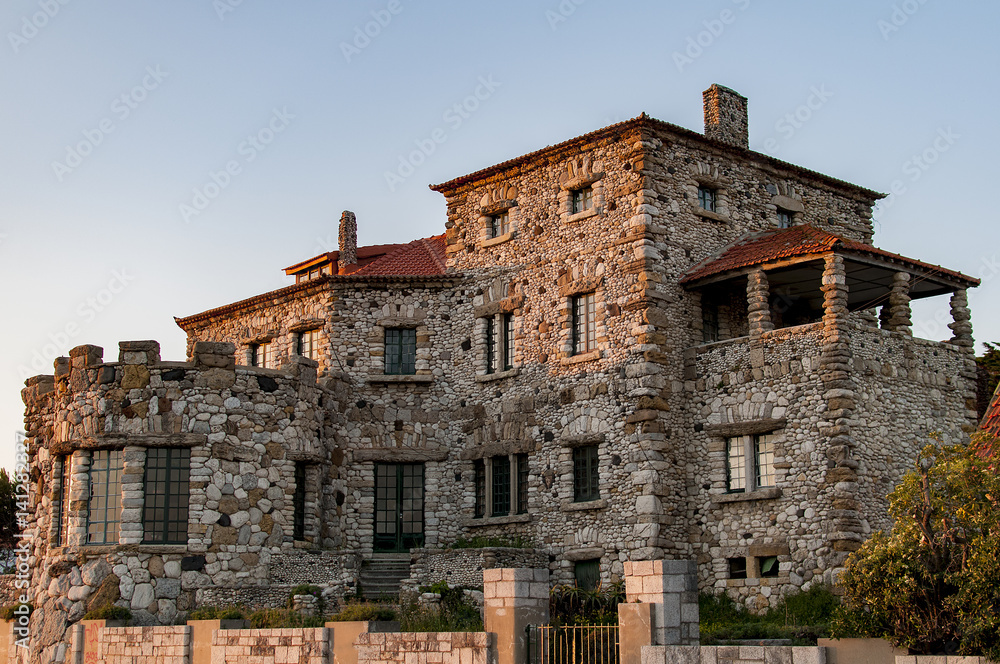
(736, 465)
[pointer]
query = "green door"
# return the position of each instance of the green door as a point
(399, 506)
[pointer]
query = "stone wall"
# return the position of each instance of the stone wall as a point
(245, 429)
(141, 645)
(464, 567)
(425, 648)
(8, 593)
(733, 654)
(271, 646)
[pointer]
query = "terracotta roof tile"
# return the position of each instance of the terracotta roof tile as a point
(793, 242)
(418, 258)
(991, 420)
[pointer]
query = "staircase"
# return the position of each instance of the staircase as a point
(381, 574)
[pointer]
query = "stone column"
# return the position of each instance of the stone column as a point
(758, 303)
(961, 326)
(835, 372)
(134, 466)
(514, 599)
(671, 587)
(899, 304)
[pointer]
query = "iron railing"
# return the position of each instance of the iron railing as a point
(574, 644)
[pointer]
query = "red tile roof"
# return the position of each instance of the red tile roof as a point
(365, 255)
(418, 258)
(991, 420)
(795, 242)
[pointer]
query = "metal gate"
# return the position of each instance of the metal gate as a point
(574, 644)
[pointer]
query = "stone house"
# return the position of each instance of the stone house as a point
(641, 343)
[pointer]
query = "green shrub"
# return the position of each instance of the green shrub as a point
(306, 589)
(364, 611)
(7, 612)
(573, 605)
(283, 618)
(456, 613)
(802, 618)
(218, 613)
(108, 612)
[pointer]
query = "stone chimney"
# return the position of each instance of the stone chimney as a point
(726, 116)
(348, 239)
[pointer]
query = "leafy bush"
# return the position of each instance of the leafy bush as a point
(306, 589)
(802, 617)
(282, 618)
(7, 612)
(573, 605)
(933, 583)
(364, 611)
(495, 541)
(108, 612)
(456, 613)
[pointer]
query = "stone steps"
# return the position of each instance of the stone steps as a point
(380, 577)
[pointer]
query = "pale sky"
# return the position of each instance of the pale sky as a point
(163, 158)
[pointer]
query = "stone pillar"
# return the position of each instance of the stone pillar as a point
(134, 466)
(81, 359)
(139, 352)
(216, 364)
(838, 381)
(671, 587)
(514, 599)
(758, 303)
(899, 303)
(961, 326)
(348, 240)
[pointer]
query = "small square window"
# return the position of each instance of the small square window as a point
(785, 219)
(768, 566)
(499, 224)
(400, 351)
(737, 568)
(707, 198)
(582, 200)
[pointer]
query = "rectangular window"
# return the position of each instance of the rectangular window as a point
(507, 356)
(501, 486)
(737, 568)
(307, 344)
(400, 351)
(586, 477)
(587, 573)
(764, 460)
(480, 468)
(491, 345)
(706, 198)
(784, 219)
(499, 224)
(299, 502)
(582, 200)
(709, 320)
(584, 324)
(62, 526)
(165, 512)
(736, 478)
(768, 566)
(104, 508)
(522, 483)
(262, 355)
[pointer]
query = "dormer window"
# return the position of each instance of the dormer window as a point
(499, 224)
(314, 273)
(707, 198)
(582, 200)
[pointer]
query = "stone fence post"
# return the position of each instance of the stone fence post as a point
(671, 587)
(514, 599)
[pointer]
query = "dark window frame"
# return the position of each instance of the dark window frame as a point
(104, 511)
(507, 356)
(708, 198)
(299, 502)
(521, 461)
(307, 344)
(786, 219)
(166, 483)
(584, 322)
(499, 224)
(768, 566)
(586, 474)
(750, 463)
(262, 354)
(400, 351)
(587, 573)
(491, 345)
(737, 568)
(500, 478)
(581, 199)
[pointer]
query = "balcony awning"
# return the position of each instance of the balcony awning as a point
(793, 259)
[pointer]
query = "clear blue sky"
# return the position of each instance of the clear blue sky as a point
(115, 113)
